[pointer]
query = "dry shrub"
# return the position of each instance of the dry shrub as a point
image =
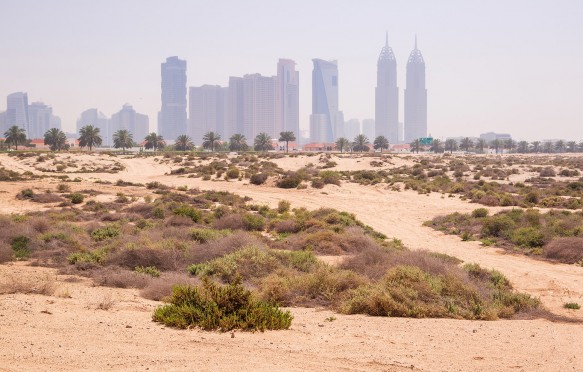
(47, 198)
(132, 258)
(220, 247)
(106, 303)
(44, 285)
(159, 288)
(230, 221)
(566, 250)
(5, 252)
(179, 221)
(119, 278)
(40, 225)
(143, 209)
(328, 242)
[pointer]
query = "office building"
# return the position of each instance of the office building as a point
(387, 95)
(415, 125)
(326, 119)
(288, 84)
(172, 119)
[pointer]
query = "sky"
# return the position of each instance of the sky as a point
(510, 66)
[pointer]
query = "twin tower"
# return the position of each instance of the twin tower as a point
(387, 97)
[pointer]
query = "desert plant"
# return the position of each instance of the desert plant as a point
(215, 307)
(89, 137)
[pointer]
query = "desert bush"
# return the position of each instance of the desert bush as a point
(162, 259)
(230, 221)
(233, 172)
(529, 237)
(117, 277)
(107, 232)
(12, 283)
(206, 235)
(480, 213)
(25, 194)
(188, 211)
(20, 247)
(148, 270)
(253, 222)
(572, 306)
(568, 250)
(547, 172)
(289, 181)
(215, 307)
(47, 198)
(76, 198)
(283, 206)
(258, 178)
(160, 288)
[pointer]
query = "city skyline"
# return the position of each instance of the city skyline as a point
(501, 76)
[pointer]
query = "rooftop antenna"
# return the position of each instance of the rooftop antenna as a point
(415, 41)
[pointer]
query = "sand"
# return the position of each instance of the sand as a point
(75, 335)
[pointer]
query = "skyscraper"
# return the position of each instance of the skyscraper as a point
(207, 111)
(172, 120)
(415, 97)
(260, 106)
(235, 117)
(17, 111)
(326, 119)
(387, 95)
(289, 83)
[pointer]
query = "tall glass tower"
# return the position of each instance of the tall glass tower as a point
(326, 119)
(387, 96)
(172, 117)
(415, 97)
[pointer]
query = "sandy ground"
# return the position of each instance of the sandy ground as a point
(98, 339)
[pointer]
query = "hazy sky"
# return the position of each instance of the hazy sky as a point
(504, 65)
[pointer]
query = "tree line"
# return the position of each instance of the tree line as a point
(90, 137)
(499, 146)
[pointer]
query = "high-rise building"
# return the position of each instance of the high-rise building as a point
(172, 120)
(235, 117)
(41, 119)
(207, 111)
(3, 126)
(326, 119)
(415, 97)
(289, 83)
(127, 118)
(99, 120)
(387, 95)
(352, 129)
(368, 128)
(17, 111)
(260, 106)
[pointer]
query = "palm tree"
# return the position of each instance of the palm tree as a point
(522, 147)
(536, 146)
(580, 146)
(466, 144)
(436, 146)
(238, 142)
(15, 135)
(123, 139)
(361, 143)
(89, 136)
(560, 146)
(262, 142)
(342, 144)
(481, 145)
(416, 145)
(56, 139)
(287, 137)
(381, 142)
(497, 144)
(548, 147)
(184, 143)
(450, 145)
(154, 141)
(210, 140)
(509, 144)
(571, 146)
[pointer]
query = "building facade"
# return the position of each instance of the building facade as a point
(207, 112)
(368, 128)
(172, 118)
(289, 93)
(326, 119)
(128, 119)
(96, 118)
(261, 106)
(387, 95)
(17, 111)
(415, 125)
(41, 119)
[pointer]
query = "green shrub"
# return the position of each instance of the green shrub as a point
(148, 270)
(529, 237)
(26, 194)
(283, 206)
(330, 177)
(95, 257)
(290, 181)
(480, 213)
(253, 222)
(107, 232)
(76, 198)
(62, 187)
(188, 211)
(215, 307)
(158, 213)
(497, 225)
(572, 306)
(19, 245)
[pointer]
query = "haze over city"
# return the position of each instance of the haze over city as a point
(499, 66)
